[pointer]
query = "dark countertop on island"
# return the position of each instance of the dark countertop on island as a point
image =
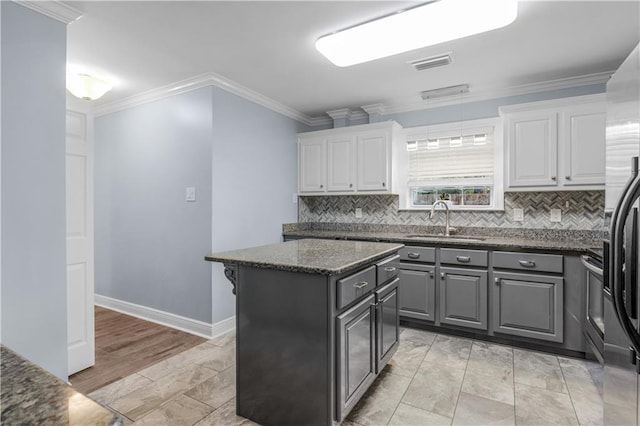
(32, 396)
(325, 257)
(488, 238)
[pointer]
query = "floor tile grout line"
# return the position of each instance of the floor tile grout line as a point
(573, 405)
(412, 377)
(462, 383)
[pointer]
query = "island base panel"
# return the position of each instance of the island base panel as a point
(284, 342)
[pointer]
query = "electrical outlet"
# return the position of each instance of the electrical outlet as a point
(295, 198)
(518, 215)
(191, 193)
(555, 215)
(358, 212)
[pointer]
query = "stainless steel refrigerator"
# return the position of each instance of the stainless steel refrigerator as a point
(621, 295)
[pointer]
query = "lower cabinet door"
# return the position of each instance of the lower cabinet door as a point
(528, 305)
(417, 292)
(387, 323)
(463, 297)
(356, 354)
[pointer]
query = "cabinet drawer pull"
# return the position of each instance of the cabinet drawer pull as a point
(567, 177)
(361, 284)
(390, 269)
(463, 259)
(412, 255)
(527, 263)
(553, 178)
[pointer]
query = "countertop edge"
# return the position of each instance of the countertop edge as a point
(300, 268)
(487, 242)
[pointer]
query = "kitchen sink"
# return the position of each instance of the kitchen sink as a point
(445, 237)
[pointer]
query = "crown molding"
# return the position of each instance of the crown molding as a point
(565, 83)
(374, 109)
(213, 79)
(54, 9)
(204, 80)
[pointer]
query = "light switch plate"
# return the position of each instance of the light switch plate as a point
(518, 215)
(295, 198)
(191, 193)
(555, 215)
(358, 212)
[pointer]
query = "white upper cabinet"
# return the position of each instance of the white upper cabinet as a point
(347, 160)
(341, 163)
(533, 145)
(373, 161)
(556, 144)
(312, 165)
(583, 130)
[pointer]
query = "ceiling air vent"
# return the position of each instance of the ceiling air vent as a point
(431, 62)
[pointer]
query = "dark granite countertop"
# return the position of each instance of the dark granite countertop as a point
(32, 396)
(541, 240)
(325, 257)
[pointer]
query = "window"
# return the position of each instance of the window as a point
(456, 162)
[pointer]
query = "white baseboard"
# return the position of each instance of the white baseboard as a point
(199, 328)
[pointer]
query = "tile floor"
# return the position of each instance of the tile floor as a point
(434, 379)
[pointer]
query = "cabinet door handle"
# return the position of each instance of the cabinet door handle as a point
(567, 177)
(321, 186)
(412, 255)
(527, 263)
(350, 185)
(496, 280)
(430, 274)
(442, 275)
(553, 178)
(463, 259)
(390, 269)
(383, 185)
(361, 284)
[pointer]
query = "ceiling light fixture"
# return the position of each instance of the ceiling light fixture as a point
(85, 86)
(426, 25)
(445, 91)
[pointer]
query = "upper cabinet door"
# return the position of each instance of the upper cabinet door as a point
(341, 151)
(373, 162)
(584, 145)
(312, 165)
(532, 144)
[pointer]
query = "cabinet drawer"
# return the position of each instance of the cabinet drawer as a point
(418, 254)
(387, 269)
(528, 261)
(354, 286)
(463, 257)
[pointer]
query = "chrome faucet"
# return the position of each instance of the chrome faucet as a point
(446, 206)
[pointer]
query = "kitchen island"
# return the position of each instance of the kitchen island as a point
(316, 321)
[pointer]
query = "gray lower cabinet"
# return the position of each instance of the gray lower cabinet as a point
(463, 297)
(528, 305)
(356, 353)
(418, 292)
(387, 323)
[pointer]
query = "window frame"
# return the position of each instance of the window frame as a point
(451, 129)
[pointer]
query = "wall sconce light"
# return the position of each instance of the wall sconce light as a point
(85, 86)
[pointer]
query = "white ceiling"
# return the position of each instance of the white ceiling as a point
(268, 47)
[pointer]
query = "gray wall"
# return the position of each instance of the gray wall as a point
(34, 296)
(254, 178)
(150, 242)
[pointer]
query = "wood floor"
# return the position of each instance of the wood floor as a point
(125, 345)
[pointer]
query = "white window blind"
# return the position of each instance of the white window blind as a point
(451, 159)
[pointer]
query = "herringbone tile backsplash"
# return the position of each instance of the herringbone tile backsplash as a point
(585, 211)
